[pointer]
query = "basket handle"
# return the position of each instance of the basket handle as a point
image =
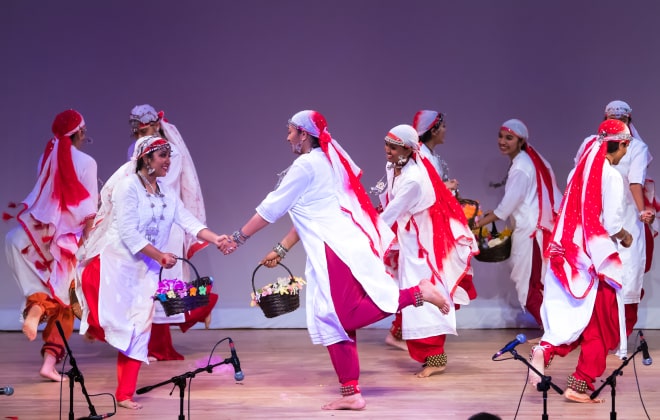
(160, 273)
(259, 266)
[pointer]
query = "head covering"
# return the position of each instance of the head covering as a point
(516, 127)
(148, 144)
(144, 115)
(614, 130)
(354, 199)
(66, 123)
(618, 109)
(425, 119)
(403, 135)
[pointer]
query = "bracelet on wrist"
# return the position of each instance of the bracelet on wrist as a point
(280, 250)
(239, 237)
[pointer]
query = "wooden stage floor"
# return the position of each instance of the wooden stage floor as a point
(286, 377)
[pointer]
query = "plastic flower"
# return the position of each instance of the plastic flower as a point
(282, 286)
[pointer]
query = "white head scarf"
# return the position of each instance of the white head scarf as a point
(425, 119)
(517, 127)
(403, 135)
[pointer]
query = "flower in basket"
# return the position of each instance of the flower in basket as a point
(171, 289)
(498, 239)
(282, 286)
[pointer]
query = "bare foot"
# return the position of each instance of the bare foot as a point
(349, 402)
(390, 340)
(48, 370)
(207, 321)
(130, 404)
(53, 375)
(430, 370)
(31, 322)
(432, 295)
(538, 361)
(580, 397)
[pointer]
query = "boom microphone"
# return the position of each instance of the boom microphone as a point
(238, 374)
(520, 338)
(646, 357)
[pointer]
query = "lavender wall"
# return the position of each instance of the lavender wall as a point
(229, 75)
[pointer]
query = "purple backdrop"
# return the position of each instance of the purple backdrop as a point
(230, 74)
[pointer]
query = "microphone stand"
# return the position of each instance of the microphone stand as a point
(180, 381)
(543, 386)
(611, 381)
(75, 375)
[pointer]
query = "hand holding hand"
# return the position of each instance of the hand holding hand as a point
(226, 245)
(647, 215)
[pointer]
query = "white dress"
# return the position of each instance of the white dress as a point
(632, 168)
(520, 202)
(128, 278)
(409, 197)
(565, 316)
(312, 193)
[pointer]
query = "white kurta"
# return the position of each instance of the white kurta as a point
(520, 202)
(565, 316)
(22, 255)
(128, 278)
(632, 168)
(310, 192)
(435, 160)
(409, 197)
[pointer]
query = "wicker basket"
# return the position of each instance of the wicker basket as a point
(496, 253)
(183, 304)
(277, 304)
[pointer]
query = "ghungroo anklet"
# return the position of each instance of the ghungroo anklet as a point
(578, 385)
(437, 360)
(349, 388)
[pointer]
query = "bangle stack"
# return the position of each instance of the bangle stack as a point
(239, 237)
(280, 250)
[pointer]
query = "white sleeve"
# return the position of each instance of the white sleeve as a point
(517, 185)
(186, 220)
(125, 201)
(293, 185)
(407, 195)
(613, 197)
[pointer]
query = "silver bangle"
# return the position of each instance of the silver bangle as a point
(239, 237)
(280, 250)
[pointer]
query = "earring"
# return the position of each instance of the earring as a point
(402, 161)
(150, 170)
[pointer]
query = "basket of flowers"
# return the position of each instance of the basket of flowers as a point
(178, 296)
(280, 297)
(494, 246)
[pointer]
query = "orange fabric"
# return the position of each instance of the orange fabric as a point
(53, 311)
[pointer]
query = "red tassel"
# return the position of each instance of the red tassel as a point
(6, 216)
(12, 205)
(25, 250)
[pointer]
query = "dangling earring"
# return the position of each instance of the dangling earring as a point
(150, 170)
(402, 161)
